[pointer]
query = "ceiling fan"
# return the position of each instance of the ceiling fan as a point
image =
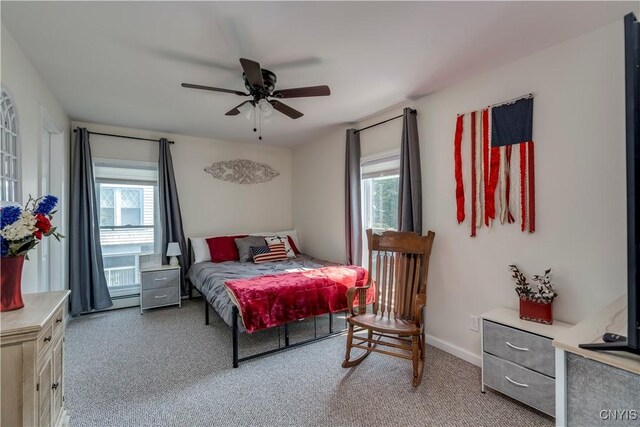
(261, 85)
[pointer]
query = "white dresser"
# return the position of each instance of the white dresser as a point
(518, 358)
(160, 286)
(32, 360)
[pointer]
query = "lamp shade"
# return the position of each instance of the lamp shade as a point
(247, 109)
(173, 249)
(265, 108)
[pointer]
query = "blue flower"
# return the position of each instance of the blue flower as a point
(46, 205)
(4, 247)
(9, 215)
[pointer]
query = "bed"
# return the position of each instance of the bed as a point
(213, 281)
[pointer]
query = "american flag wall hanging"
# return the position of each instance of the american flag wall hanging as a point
(501, 183)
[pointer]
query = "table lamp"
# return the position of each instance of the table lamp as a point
(173, 250)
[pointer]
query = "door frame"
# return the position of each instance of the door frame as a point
(58, 182)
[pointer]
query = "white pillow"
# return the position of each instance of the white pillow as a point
(291, 233)
(200, 249)
(274, 240)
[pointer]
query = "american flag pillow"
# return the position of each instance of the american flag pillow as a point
(274, 240)
(268, 253)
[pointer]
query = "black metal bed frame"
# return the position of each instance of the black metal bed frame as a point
(235, 333)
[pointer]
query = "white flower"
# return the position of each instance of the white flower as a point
(23, 227)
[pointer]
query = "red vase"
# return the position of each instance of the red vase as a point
(11, 283)
(536, 310)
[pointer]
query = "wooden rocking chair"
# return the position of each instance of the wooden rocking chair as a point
(403, 260)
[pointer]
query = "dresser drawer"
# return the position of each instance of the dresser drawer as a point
(160, 279)
(45, 337)
(162, 296)
(529, 350)
(529, 387)
(58, 321)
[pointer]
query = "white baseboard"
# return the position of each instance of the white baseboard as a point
(133, 301)
(454, 350)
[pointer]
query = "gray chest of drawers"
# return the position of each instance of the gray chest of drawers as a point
(518, 358)
(160, 287)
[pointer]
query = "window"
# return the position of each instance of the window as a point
(380, 181)
(127, 192)
(9, 150)
(121, 204)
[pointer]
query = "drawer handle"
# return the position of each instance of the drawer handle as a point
(160, 296)
(55, 386)
(47, 338)
(515, 382)
(160, 279)
(59, 320)
(515, 347)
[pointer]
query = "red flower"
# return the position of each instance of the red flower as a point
(43, 225)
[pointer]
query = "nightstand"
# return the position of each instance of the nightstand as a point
(518, 358)
(160, 286)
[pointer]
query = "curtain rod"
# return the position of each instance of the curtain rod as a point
(123, 136)
(383, 122)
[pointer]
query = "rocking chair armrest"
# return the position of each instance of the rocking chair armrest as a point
(351, 295)
(419, 302)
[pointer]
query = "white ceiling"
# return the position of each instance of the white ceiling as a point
(121, 63)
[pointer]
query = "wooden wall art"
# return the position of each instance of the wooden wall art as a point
(242, 171)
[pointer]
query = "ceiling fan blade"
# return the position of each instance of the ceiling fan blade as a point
(300, 92)
(214, 89)
(286, 110)
(234, 111)
(253, 72)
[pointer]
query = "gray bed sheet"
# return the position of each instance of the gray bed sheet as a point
(208, 278)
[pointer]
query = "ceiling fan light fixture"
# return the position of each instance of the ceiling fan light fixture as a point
(261, 84)
(246, 110)
(266, 109)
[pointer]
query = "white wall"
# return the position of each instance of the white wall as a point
(318, 184)
(210, 206)
(31, 95)
(580, 188)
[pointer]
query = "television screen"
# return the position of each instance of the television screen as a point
(632, 89)
(631, 343)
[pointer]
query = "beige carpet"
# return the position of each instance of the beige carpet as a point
(168, 368)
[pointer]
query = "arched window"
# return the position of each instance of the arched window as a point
(9, 150)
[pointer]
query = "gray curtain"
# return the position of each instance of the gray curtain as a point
(170, 216)
(353, 211)
(410, 191)
(86, 272)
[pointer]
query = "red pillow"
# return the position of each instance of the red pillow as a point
(293, 246)
(223, 248)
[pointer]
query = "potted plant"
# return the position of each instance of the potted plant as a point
(535, 305)
(21, 229)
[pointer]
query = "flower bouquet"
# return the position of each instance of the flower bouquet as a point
(21, 229)
(535, 305)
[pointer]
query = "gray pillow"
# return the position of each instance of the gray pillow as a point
(244, 246)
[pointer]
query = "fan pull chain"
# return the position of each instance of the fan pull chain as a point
(255, 111)
(260, 134)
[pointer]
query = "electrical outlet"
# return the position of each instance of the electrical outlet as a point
(474, 323)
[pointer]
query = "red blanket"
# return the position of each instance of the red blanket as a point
(276, 299)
